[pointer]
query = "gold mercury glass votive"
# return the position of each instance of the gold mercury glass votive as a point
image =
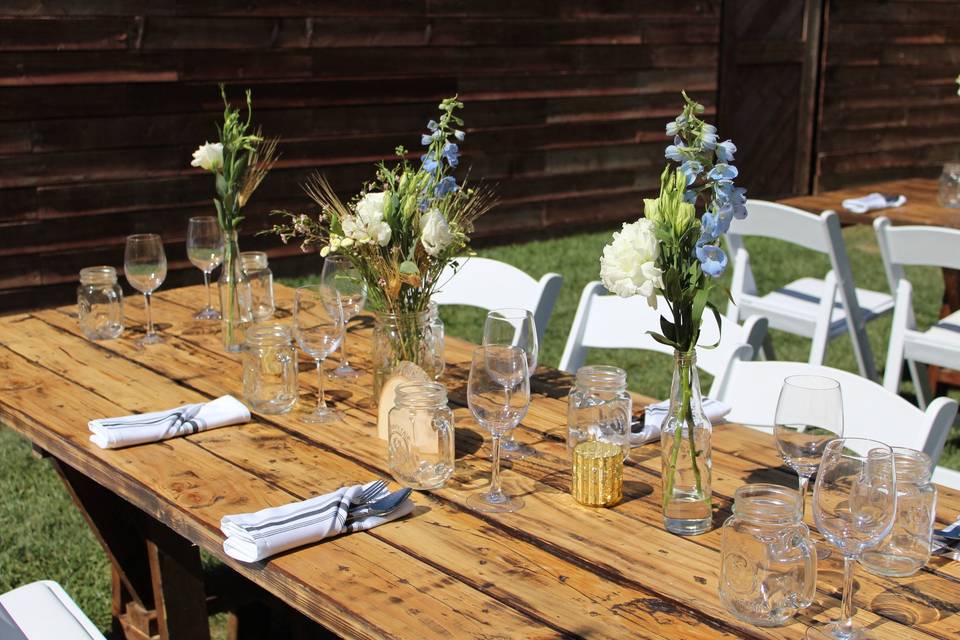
(597, 473)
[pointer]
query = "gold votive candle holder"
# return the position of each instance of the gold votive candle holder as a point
(597, 473)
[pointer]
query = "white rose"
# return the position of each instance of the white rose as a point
(628, 266)
(371, 207)
(435, 235)
(208, 156)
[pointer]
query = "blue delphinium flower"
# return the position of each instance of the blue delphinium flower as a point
(739, 202)
(432, 125)
(709, 228)
(690, 196)
(459, 135)
(712, 259)
(451, 153)
(691, 169)
(722, 172)
(725, 151)
(445, 186)
(673, 152)
(708, 136)
(429, 163)
(426, 139)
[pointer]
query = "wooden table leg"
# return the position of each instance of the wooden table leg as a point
(951, 303)
(158, 582)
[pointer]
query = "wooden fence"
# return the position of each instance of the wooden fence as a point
(103, 101)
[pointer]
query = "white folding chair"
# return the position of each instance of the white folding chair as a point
(605, 321)
(42, 610)
(818, 308)
(940, 344)
(491, 284)
(869, 410)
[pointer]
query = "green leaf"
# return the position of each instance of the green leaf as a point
(409, 267)
(663, 340)
(716, 314)
(669, 329)
(221, 185)
(699, 302)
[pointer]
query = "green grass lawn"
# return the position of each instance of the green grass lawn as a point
(43, 536)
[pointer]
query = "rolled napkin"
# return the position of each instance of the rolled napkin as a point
(254, 536)
(654, 415)
(873, 201)
(111, 433)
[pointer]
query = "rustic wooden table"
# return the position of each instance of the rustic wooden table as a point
(553, 569)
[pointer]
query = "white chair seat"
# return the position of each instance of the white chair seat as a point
(947, 477)
(43, 611)
(794, 308)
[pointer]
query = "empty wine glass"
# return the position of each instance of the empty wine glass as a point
(498, 394)
(340, 274)
(854, 504)
(517, 328)
(205, 251)
(809, 415)
(318, 327)
(145, 267)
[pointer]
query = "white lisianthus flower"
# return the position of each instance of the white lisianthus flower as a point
(208, 156)
(368, 225)
(628, 266)
(435, 234)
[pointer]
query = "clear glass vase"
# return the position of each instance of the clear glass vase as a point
(685, 453)
(235, 297)
(415, 337)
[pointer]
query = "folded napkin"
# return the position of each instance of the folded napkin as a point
(110, 433)
(654, 415)
(255, 536)
(873, 201)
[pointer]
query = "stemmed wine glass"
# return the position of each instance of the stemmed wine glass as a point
(854, 505)
(809, 415)
(340, 274)
(205, 250)
(517, 328)
(145, 267)
(498, 394)
(318, 327)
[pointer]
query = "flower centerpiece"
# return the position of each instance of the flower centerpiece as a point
(239, 163)
(400, 232)
(674, 252)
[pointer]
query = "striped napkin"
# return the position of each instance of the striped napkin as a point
(111, 433)
(655, 414)
(254, 536)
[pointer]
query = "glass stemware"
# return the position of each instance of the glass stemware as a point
(854, 504)
(205, 251)
(145, 267)
(498, 394)
(517, 328)
(809, 415)
(340, 274)
(318, 327)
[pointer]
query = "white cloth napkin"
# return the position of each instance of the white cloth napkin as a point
(654, 415)
(111, 433)
(872, 201)
(254, 536)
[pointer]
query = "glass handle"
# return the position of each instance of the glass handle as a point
(444, 427)
(809, 589)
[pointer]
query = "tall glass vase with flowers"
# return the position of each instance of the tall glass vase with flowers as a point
(239, 161)
(400, 232)
(673, 252)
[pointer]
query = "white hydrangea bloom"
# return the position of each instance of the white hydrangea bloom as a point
(628, 266)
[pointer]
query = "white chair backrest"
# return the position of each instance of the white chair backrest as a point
(781, 222)
(915, 245)
(605, 321)
(491, 284)
(869, 411)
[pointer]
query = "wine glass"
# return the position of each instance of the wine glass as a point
(809, 415)
(498, 394)
(205, 250)
(340, 274)
(514, 327)
(318, 327)
(854, 505)
(145, 267)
